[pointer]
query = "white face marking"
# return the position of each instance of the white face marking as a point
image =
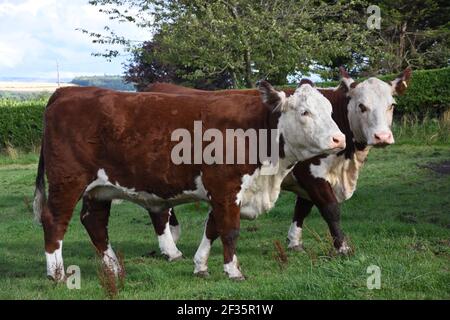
(202, 255)
(55, 264)
(370, 111)
(110, 260)
(294, 236)
(306, 124)
(167, 245)
(232, 269)
(103, 189)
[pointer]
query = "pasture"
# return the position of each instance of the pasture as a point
(398, 219)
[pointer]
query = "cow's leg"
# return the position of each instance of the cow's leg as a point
(175, 227)
(302, 209)
(166, 242)
(227, 219)
(332, 215)
(322, 195)
(95, 216)
(55, 218)
(201, 256)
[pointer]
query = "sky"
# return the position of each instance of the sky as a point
(34, 34)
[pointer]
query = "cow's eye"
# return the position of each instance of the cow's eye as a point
(305, 113)
(362, 107)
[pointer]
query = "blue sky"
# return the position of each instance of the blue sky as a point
(34, 34)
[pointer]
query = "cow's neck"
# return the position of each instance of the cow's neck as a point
(342, 170)
(260, 190)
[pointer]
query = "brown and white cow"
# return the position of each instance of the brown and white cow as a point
(363, 111)
(101, 145)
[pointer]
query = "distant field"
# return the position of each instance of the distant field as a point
(31, 86)
(398, 219)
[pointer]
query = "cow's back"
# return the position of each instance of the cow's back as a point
(128, 135)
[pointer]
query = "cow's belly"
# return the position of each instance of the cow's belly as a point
(103, 189)
(291, 184)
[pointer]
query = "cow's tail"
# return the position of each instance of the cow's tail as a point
(40, 197)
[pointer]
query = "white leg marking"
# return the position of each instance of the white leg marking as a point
(295, 236)
(344, 249)
(202, 255)
(176, 232)
(168, 246)
(110, 260)
(232, 269)
(55, 264)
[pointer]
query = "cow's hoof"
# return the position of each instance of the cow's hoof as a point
(298, 248)
(202, 274)
(56, 280)
(175, 258)
(238, 278)
(345, 250)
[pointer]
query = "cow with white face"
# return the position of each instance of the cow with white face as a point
(101, 145)
(363, 111)
(370, 110)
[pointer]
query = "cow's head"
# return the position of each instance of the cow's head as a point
(371, 107)
(305, 121)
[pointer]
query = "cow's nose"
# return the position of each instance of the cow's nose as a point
(383, 138)
(337, 141)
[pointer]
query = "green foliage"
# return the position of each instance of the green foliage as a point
(414, 33)
(248, 39)
(21, 124)
(23, 96)
(107, 82)
(428, 93)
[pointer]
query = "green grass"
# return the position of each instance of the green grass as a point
(399, 220)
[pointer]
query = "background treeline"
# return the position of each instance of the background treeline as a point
(423, 110)
(233, 43)
(108, 82)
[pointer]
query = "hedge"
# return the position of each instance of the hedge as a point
(427, 94)
(21, 126)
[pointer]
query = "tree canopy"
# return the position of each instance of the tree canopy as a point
(234, 43)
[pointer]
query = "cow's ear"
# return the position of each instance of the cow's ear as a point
(347, 83)
(400, 84)
(272, 99)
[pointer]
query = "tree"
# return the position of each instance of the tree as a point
(245, 39)
(146, 67)
(413, 33)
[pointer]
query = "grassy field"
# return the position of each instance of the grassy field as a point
(399, 220)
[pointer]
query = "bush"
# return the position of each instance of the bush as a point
(428, 93)
(21, 125)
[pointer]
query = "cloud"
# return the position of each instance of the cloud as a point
(36, 33)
